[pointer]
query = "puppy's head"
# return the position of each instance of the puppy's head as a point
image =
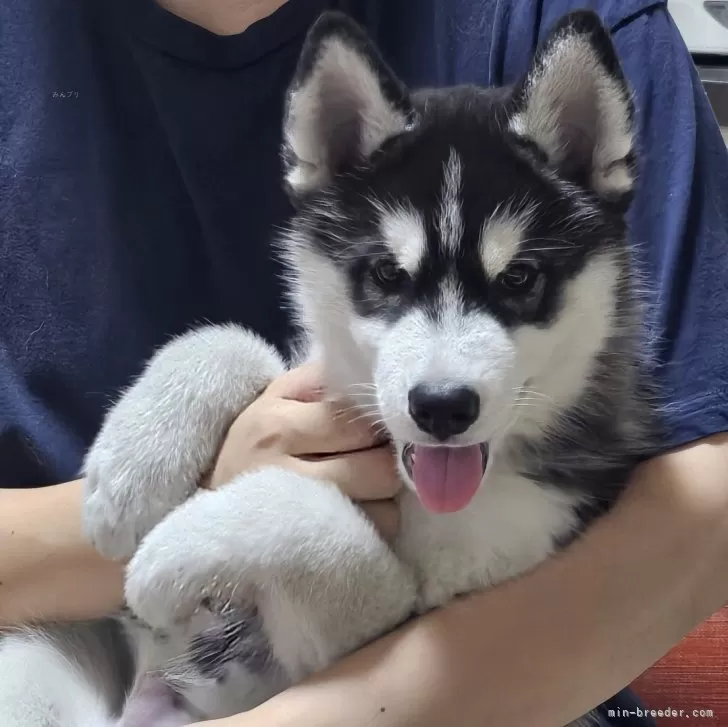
(458, 253)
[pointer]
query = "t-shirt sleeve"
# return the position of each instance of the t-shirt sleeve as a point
(679, 223)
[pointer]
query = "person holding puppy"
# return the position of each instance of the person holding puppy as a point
(140, 184)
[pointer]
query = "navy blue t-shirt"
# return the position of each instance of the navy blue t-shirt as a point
(140, 183)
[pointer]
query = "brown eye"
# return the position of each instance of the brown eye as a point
(520, 278)
(389, 276)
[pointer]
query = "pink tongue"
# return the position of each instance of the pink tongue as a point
(447, 478)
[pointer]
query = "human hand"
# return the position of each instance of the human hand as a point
(292, 425)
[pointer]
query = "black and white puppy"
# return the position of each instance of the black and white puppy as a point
(459, 262)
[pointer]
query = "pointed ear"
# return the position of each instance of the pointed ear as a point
(574, 105)
(344, 102)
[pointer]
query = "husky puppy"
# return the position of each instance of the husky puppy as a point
(459, 263)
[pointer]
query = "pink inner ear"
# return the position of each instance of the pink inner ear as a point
(153, 704)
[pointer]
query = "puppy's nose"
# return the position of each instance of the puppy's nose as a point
(443, 410)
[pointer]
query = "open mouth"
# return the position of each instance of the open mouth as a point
(445, 478)
(408, 455)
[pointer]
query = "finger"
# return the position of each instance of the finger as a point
(319, 428)
(362, 476)
(304, 383)
(384, 515)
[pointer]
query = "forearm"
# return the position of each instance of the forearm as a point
(548, 647)
(47, 569)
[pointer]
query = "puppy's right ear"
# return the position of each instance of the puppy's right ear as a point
(344, 102)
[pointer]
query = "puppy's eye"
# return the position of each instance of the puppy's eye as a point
(519, 279)
(389, 276)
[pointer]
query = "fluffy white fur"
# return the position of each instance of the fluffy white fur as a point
(226, 368)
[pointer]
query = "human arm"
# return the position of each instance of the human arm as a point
(48, 570)
(544, 649)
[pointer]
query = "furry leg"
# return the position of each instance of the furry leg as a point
(308, 570)
(162, 436)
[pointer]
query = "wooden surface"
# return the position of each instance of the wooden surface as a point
(693, 676)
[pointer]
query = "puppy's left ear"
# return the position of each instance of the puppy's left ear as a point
(344, 102)
(574, 104)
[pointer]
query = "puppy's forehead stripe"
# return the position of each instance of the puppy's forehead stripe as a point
(501, 237)
(447, 302)
(403, 230)
(450, 221)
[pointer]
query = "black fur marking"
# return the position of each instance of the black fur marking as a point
(468, 121)
(592, 448)
(241, 640)
(124, 661)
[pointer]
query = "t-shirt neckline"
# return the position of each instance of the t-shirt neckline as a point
(181, 38)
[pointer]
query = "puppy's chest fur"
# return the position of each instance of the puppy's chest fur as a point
(512, 525)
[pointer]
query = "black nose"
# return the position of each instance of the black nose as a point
(443, 410)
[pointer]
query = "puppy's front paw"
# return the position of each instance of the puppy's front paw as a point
(163, 435)
(114, 527)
